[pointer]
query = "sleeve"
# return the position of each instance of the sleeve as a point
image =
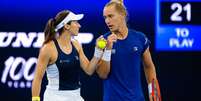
(146, 42)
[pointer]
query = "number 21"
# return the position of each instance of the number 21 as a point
(176, 15)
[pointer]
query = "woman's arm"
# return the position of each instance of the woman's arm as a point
(43, 60)
(88, 66)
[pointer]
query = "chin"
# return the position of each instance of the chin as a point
(76, 34)
(113, 30)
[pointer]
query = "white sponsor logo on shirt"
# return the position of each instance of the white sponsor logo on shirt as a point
(135, 49)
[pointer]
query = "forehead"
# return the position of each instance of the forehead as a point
(109, 10)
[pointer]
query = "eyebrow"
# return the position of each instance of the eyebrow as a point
(108, 15)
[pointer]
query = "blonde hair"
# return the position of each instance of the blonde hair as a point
(119, 6)
(118, 1)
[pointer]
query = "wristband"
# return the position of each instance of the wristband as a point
(150, 88)
(36, 98)
(107, 55)
(98, 52)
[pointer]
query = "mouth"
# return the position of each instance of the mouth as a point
(110, 26)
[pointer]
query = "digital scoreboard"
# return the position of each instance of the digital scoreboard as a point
(178, 25)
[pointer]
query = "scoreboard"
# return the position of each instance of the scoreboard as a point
(178, 25)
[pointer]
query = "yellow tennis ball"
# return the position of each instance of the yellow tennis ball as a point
(101, 44)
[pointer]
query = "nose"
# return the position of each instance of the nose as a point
(78, 25)
(107, 21)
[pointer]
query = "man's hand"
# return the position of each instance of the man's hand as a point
(110, 40)
(154, 91)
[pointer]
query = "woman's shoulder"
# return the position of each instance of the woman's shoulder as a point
(48, 47)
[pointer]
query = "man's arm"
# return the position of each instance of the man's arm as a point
(150, 73)
(103, 68)
(149, 67)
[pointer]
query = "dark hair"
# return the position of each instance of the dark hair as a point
(119, 6)
(51, 24)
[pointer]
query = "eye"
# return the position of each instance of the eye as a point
(110, 16)
(104, 17)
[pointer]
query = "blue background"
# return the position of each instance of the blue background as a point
(178, 72)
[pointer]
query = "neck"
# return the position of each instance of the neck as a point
(122, 33)
(65, 38)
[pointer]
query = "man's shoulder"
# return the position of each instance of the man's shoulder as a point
(133, 32)
(136, 33)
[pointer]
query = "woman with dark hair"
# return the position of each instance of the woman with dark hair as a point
(61, 57)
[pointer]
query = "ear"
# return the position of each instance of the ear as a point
(67, 26)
